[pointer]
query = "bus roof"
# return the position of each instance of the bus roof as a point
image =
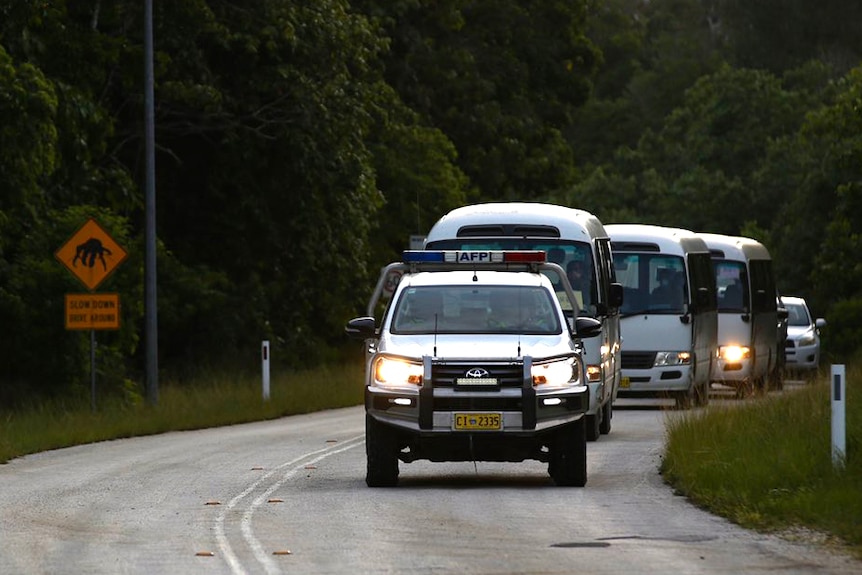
(735, 247)
(652, 238)
(517, 219)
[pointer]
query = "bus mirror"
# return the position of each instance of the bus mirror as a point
(701, 299)
(615, 295)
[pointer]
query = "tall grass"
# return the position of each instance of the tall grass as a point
(767, 464)
(209, 401)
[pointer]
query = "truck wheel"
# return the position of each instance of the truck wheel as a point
(607, 414)
(381, 453)
(568, 464)
(593, 426)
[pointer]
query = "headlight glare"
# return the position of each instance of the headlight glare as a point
(556, 373)
(734, 353)
(394, 372)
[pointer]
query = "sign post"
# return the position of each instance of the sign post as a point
(839, 429)
(91, 255)
(264, 349)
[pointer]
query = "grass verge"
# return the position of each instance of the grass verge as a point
(767, 463)
(210, 401)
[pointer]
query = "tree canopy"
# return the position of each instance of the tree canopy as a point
(300, 143)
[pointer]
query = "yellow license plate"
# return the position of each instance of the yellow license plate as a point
(625, 383)
(477, 421)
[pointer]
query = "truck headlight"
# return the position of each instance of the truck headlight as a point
(557, 373)
(397, 372)
(668, 358)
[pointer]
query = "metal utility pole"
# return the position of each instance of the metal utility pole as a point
(150, 307)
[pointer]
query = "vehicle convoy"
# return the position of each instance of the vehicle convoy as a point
(668, 318)
(802, 346)
(474, 360)
(577, 241)
(750, 347)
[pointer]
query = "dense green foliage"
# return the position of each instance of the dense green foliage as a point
(300, 142)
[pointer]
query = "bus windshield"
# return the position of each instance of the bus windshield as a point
(652, 283)
(574, 257)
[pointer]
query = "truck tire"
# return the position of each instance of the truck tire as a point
(568, 457)
(381, 453)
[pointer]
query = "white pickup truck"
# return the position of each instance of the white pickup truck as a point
(474, 360)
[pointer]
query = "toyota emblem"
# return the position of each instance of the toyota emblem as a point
(477, 372)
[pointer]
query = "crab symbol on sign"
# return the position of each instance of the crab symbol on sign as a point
(89, 251)
(91, 254)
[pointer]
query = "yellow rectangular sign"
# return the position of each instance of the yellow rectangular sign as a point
(92, 311)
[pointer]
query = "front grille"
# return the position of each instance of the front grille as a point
(444, 374)
(789, 344)
(638, 359)
(478, 404)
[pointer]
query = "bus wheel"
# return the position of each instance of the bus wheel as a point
(684, 399)
(594, 426)
(607, 415)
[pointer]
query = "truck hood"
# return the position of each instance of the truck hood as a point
(477, 347)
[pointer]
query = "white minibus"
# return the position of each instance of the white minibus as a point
(668, 318)
(576, 241)
(750, 347)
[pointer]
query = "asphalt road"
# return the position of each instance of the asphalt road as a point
(288, 496)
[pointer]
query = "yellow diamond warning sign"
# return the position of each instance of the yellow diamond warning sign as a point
(92, 311)
(91, 254)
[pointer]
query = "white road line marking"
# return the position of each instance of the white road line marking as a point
(260, 554)
(221, 537)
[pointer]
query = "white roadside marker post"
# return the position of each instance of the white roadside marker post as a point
(264, 348)
(839, 429)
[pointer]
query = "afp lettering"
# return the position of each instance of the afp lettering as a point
(474, 257)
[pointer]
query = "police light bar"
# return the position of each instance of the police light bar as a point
(473, 256)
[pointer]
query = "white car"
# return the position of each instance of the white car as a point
(802, 347)
(474, 360)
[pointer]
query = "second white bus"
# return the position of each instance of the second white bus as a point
(668, 319)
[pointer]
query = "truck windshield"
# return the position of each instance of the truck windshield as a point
(476, 310)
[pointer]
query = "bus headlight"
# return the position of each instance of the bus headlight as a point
(668, 358)
(734, 353)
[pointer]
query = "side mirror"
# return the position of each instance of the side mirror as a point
(820, 322)
(615, 295)
(360, 328)
(782, 313)
(586, 326)
(701, 298)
